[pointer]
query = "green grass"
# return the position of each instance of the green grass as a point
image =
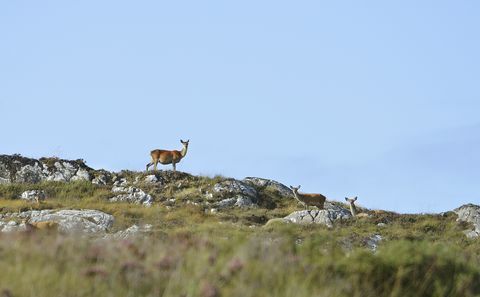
(192, 252)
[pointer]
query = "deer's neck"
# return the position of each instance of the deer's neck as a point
(184, 151)
(353, 209)
(297, 196)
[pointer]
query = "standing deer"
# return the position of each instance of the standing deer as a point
(168, 157)
(317, 200)
(353, 208)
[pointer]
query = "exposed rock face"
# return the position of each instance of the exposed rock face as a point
(69, 220)
(326, 216)
(130, 232)
(373, 241)
(238, 193)
(262, 182)
(33, 195)
(238, 201)
(131, 195)
(470, 213)
(18, 169)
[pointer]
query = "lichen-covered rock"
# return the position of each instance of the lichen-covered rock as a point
(373, 241)
(131, 195)
(235, 194)
(151, 179)
(326, 216)
(130, 232)
(18, 169)
(33, 195)
(68, 220)
(238, 201)
(262, 182)
(235, 187)
(470, 213)
(11, 226)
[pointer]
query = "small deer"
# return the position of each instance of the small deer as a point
(317, 200)
(353, 208)
(44, 226)
(168, 157)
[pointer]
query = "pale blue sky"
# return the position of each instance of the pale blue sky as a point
(379, 99)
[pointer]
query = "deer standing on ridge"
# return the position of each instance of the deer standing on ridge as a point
(317, 200)
(168, 157)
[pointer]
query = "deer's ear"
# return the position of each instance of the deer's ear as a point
(355, 199)
(299, 186)
(291, 187)
(346, 199)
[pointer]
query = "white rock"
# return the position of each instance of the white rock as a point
(470, 213)
(151, 179)
(131, 195)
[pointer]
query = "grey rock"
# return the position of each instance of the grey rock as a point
(131, 195)
(235, 187)
(326, 216)
(470, 213)
(18, 169)
(225, 203)
(282, 189)
(68, 220)
(151, 179)
(33, 195)
(130, 232)
(373, 241)
(237, 201)
(236, 194)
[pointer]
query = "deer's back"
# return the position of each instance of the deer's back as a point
(313, 199)
(165, 156)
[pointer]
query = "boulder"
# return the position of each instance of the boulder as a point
(326, 216)
(130, 232)
(131, 195)
(68, 220)
(18, 169)
(33, 195)
(238, 201)
(268, 183)
(470, 213)
(235, 193)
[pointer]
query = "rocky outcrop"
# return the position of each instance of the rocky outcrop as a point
(235, 194)
(18, 169)
(268, 183)
(327, 216)
(33, 195)
(131, 195)
(130, 232)
(470, 213)
(68, 220)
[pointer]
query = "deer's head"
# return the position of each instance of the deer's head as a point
(295, 189)
(185, 143)
(351, 200)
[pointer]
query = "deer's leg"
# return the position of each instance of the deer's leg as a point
(155, 166)
(174, 166)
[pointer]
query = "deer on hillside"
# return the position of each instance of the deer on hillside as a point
(168, 157)
(353, 208)
(45, 225)
(317, 200)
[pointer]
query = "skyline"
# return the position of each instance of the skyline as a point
(375, 100)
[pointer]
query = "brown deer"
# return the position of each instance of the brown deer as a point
(168, 157)
(353, 208)
(45, 226)
(317, 200)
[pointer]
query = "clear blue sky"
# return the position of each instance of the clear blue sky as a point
(379, 99)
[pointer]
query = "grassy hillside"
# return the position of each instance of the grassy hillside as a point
(194, 252)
